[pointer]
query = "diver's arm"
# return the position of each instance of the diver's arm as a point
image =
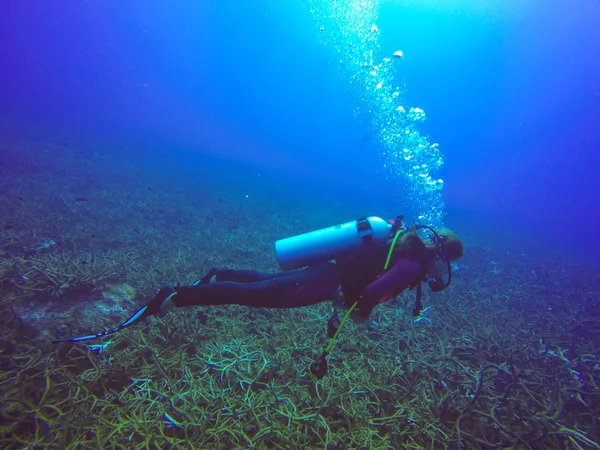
(403, 274)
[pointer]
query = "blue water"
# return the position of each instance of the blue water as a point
(510, 90)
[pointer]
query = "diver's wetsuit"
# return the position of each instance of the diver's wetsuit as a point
(295, 288)
(359, 279)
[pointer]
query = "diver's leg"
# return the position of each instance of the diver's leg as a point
(245, 276)
(313, 284)
(215, 275)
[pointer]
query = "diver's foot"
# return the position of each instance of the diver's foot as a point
(209, 277)
(157, 306)
(162, 301)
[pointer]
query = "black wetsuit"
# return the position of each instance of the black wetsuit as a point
(292, 289)
(359, 279)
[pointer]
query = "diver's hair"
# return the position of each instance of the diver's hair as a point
(452, 245)
(410, 245)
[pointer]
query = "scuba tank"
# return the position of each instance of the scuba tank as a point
(332, 243)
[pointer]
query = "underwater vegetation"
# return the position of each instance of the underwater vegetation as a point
(508, 357)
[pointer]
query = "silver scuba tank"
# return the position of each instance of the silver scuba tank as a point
(331, 243)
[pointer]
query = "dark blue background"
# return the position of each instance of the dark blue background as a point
(511, 90)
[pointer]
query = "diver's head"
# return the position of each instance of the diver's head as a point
(427, 244)
(443, 243)
(451, 244)
(444, 248)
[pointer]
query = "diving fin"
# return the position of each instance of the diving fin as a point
(207, 277)
(153, 308)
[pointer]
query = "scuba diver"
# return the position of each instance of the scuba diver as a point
(357, 265)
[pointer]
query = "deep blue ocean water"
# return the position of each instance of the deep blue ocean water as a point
(510, 89)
